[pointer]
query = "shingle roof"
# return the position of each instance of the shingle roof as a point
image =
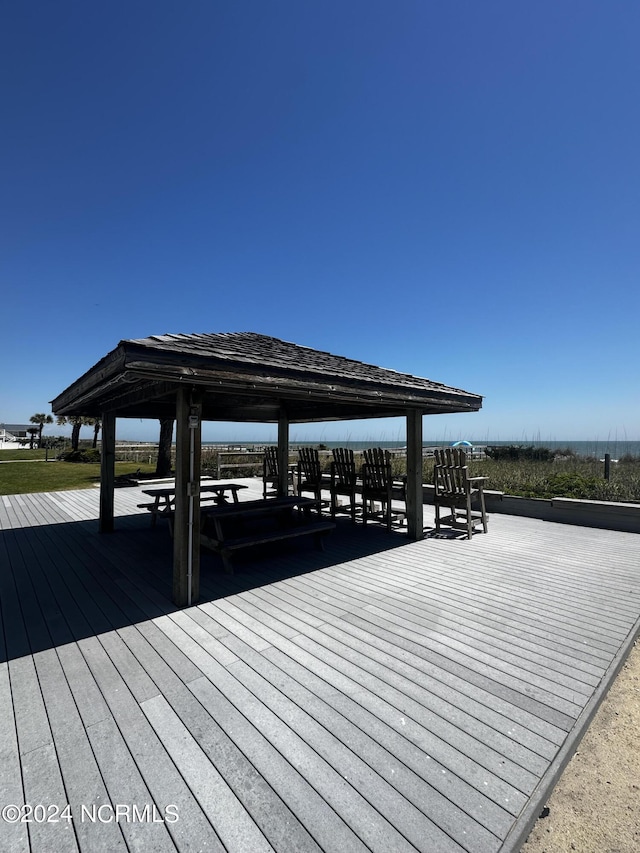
(244, 376)
(253, 349)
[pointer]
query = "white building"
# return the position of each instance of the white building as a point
(15, 435)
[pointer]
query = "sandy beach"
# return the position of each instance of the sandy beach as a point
(595, 807)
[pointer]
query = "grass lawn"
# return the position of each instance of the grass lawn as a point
(19, 478)
(24, 453)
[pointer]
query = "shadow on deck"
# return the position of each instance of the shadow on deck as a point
(68, 582)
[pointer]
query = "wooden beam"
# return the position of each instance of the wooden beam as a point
(186, 528)
(149, 392)
(415, 520)
(107, 471)
(283, 453)
(110, 366)
(290, 384)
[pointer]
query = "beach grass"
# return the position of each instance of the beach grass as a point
(573, 477)
(568, 476)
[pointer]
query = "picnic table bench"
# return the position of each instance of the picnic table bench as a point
(226, 529)
(164, 499)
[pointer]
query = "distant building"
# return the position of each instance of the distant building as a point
(15, 432)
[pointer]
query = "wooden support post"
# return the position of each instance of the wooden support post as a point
(283, 453)
(186, 527)
(607, 466)
(107, 471)
(415, 521)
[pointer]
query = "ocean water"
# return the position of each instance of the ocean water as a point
(595, 447)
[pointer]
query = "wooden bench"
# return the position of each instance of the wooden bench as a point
(229, 528)
(165, 498)
(166, 510)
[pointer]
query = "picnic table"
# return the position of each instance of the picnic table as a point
(230, 527)
(164, 498)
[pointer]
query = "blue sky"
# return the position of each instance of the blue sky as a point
(449, 189)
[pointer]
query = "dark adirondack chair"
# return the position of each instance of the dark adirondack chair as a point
(378, 486)
(456, 491)
(310, 474)
(270, 472)
(344, 482)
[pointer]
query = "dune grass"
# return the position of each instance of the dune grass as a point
(569, 478)
(562, 477)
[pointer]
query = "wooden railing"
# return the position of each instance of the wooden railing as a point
(226, 465)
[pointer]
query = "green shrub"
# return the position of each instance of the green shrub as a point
(91, 455)
(570, 484)
(519, 451)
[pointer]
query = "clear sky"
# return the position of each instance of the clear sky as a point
(449, 189)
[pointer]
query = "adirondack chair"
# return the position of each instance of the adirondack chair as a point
(344, 482)
(270, 473)
(455, 490)
(310, 474)
(378, 486)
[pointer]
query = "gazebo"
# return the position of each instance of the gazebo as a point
(243, 377)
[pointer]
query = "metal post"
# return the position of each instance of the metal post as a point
(607, 466)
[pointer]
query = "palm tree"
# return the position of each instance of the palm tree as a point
(96, 423)
(76, 422)
(163, 465)
(33, 431)
(41, 420)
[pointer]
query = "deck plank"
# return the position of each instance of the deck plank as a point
(233, 823)
(161, 777)
(272, 790)
(82, 776)
(407, 645)
(390, 787)
(11, 787)
(423, 609)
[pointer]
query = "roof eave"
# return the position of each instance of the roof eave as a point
(105, 370)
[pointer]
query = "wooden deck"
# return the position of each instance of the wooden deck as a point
(383, 695)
